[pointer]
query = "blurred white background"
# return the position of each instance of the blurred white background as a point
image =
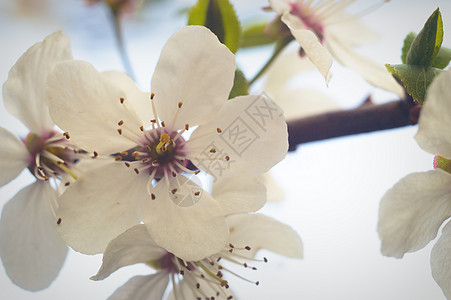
(332, 188)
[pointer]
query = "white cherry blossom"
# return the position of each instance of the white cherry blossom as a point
(106, 114)
(414, 209)
(326, 31)
(31, 250)
(204, 278)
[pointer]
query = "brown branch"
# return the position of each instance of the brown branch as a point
(365, 118)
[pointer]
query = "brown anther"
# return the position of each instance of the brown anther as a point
(198, 285)
(186, 126)
(257, 283)
(118, 158)
(196, 172)
(152, 95)
(212, 150)
(155, 163)
(254, 268)
(180, 104)
(182, 272)
(119, 131)
(141, 128)
(153, 121)
(152, 196)
(144, 160)
(147, 147)
(227, 158)
(95, 154)
(265, 259)
(127, 164)
(220, 267)
(227, 286)
(230, 298)
(219, 258)
(174, 174)
(247, 248)
(67, 183)
(66, 135)
(163, 124)
(218, 130)
(122, 100)
(120, 123)
(231, 250)
(135, 154)
(231, 246)
(58, 221)
(196, 193)
(245, 265)
(46, 178)
(136, 170)
(224, 283)
(40, 168)
(173, 191)
(124, 153)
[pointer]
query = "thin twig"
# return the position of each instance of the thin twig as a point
(120, 43)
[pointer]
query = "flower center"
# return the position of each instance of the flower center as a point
(51, 156)
(308, 18)
(160, 153)
(208, 271)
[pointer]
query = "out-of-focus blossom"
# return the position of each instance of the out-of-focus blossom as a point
(325, 31)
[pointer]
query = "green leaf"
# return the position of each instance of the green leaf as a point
(442, 59)
(416, 79)
(406, 46)
(220, 17)
(427, 43)
(240, 85)
(254, 35)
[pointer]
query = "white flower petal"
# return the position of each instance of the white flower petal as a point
(352, 32)
(372, 72)
(239, 194)
(434, 124)
(441, 261)
(253, 135)
(23, 92)
(87, 105)
(319, 55)
(150, 287)
(196, 69)
(412, 211)
(262, 232)
(137, 99)
(13, 156)
(131, 247)
(190, 232)
(274, 193)
(31, 250)
(101, 205)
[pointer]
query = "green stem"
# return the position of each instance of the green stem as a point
(280, 45)
(120, 42)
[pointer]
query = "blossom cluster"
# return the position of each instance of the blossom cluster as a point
(173, 177)
(120, 178)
